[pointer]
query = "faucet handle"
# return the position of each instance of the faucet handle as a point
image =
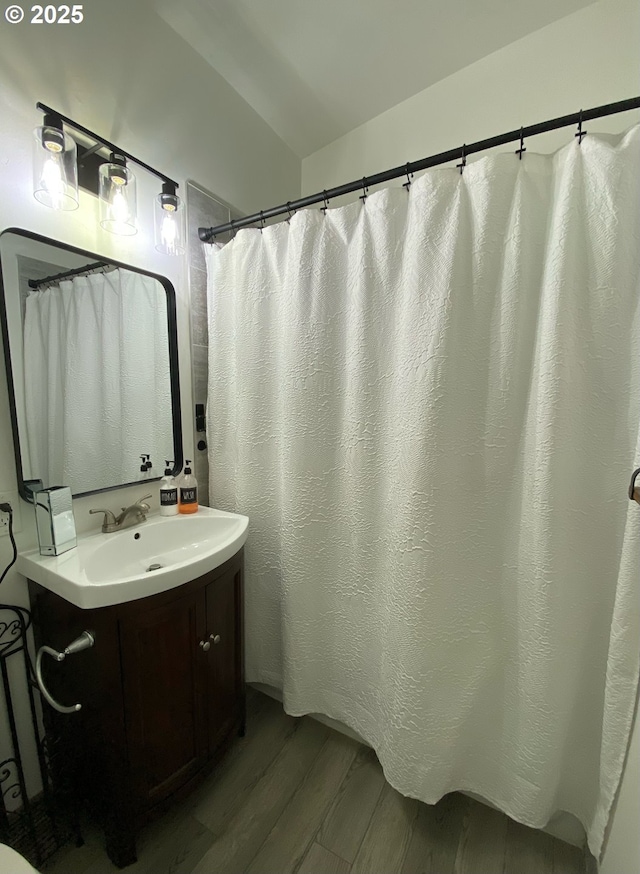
(109, 523)
(141, 502)
(109, 518)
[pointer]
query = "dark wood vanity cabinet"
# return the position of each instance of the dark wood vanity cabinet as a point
(162, 694)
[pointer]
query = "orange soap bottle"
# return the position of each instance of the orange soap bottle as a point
(188, 499)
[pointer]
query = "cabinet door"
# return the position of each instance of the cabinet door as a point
(164, 674)
(224, 629)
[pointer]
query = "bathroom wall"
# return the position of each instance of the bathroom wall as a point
(124, 74)
(144, 88)
(203, 211)
(586, 59)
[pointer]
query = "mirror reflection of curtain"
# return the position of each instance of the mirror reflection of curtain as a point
(97, 386)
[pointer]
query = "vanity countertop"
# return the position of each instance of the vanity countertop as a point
(159, 554)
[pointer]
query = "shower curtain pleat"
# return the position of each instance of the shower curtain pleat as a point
(428, 404)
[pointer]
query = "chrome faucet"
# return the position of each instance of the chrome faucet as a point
(130, 516)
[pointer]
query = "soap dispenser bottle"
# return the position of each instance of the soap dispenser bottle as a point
(168, 493)
(188, 491)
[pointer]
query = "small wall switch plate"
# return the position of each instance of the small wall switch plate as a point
(14, 499)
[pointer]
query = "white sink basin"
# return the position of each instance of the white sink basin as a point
(159, 554)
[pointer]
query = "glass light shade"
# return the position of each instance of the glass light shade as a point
(117, 194)
(55, 168)
(168, 217)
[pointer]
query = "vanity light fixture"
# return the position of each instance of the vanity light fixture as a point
(117, 195)
(169, 221)
(55, 168)
(104, 170)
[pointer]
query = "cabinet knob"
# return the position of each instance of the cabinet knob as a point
(215, 638)
(205, 645)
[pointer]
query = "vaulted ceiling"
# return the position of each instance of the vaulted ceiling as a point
(315, 70)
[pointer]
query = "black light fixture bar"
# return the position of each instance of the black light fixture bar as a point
(207, 235)
(79, 271)
(102, 142)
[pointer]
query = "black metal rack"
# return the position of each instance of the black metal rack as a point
(35, 826)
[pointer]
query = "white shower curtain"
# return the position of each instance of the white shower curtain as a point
(429, 407)
(97, 387)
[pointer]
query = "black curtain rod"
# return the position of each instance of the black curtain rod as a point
(79, 271)
(101, 142)
(207, 234)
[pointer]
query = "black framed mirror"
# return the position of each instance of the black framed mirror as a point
(91, 356)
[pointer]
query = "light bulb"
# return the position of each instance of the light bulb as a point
(117, 197)
(55, 169)
(169, 233)
(52, 181)
(168, 213)
(119, 207)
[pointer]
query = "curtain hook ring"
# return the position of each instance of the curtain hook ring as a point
(407, 185)
(522, 146)
(261, 221)
(580, 133)
(463, 162)
(326, 202)
(365, 190)
(291, 214)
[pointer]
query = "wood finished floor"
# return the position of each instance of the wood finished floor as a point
(296, 797)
